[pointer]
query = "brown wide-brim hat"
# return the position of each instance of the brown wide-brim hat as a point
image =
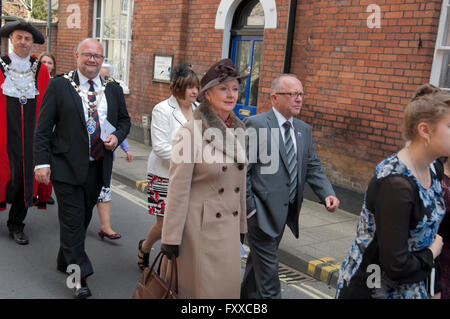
(21, 24)
(222, 71)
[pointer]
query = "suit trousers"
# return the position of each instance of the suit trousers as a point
(18, 211)
(75, 205)
(261, 280)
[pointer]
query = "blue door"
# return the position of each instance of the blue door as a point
(246, 55)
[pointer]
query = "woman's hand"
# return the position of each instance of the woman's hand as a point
(169, 250)
(436, 246)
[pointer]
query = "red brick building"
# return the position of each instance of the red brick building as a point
(359, 60)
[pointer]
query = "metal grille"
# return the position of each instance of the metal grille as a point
(289, 275)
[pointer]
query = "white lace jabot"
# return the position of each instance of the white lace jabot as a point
(13, 82)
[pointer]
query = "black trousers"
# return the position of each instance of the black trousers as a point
(261, 279)
(18, 211)
(75, 204)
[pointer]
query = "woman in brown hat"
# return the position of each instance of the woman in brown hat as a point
(205, 212)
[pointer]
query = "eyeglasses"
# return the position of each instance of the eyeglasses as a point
(293, 95)
(95, 56)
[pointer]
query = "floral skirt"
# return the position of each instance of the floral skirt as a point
(105, 195)
(157, 193)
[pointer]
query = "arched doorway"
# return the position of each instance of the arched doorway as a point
(247, 34)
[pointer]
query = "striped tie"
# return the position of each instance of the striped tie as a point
(96, 143)
(291, 161)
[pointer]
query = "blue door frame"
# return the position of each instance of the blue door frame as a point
(244, 110)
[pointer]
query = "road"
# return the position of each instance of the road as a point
(29, 272)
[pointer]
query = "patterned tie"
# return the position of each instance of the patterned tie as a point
(291, 161)
(96, 142)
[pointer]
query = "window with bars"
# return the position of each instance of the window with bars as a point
(440, 71)
(112, 27)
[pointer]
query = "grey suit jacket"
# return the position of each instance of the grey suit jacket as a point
(269, 193)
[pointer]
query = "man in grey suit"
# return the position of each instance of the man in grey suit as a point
(274, 199)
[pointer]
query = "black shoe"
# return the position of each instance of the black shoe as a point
(82, 292)
(51, 201)
(19, 237)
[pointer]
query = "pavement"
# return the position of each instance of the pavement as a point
(324, 241)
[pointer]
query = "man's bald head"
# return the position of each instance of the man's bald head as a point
(89, 57)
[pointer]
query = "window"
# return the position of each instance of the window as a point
(249, 16)
(440, 71)
(246, 50)
(123, 6)
(112, 27)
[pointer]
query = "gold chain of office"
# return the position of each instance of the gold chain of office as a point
(84, 93)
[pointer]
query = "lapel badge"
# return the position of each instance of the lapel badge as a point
(299, 134)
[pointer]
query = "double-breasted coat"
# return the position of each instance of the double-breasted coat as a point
(206, 205)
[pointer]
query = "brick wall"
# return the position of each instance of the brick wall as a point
(357, 80)
(37, 49)
(69, 33)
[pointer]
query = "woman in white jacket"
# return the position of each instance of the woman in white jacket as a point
(167, 117)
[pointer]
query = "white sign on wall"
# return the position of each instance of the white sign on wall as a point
(162, 66)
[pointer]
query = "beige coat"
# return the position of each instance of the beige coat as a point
(206, 210)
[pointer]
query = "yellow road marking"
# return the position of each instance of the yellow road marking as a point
(325, 271)
(141, 185)
(313, 263)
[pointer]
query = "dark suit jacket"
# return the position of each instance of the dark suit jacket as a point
(66, 148)
(269, 193)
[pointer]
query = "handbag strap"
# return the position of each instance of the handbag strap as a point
(173, 271)
(173, 274)
(158, 257)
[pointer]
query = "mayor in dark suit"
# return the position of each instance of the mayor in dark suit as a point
(82, 120)
(275, 192)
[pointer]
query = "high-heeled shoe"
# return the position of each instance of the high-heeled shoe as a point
(145, 256)
(102, 235)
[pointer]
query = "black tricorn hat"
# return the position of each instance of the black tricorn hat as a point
(222, 71)
(21, 24)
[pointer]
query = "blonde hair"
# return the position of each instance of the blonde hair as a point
(428, 105)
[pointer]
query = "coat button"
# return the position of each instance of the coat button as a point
(218, 215)
(240, 166)
(285, 204)
(237, 189)
(224, 168)
(221, 191)
(235, 213)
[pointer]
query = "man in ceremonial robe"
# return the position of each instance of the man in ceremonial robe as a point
(23, 81)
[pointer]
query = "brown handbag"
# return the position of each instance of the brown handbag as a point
(152, 286)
